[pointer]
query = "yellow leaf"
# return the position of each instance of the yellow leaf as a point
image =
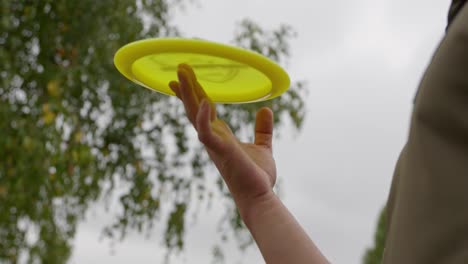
(78, 136)
(45, 108)
(53, 88)
(48, 117)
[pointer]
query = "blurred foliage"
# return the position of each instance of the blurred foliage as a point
(74, 131)
(374, 255)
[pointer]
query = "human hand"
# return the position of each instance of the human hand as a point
(247, 168)
(250, 173)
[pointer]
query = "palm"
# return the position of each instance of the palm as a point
(248, 168)
(263, 157)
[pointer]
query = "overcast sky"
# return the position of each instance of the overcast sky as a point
(363, 60)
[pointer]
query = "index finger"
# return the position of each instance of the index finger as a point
(198, 90)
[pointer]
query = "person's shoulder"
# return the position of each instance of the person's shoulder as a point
(455, 8)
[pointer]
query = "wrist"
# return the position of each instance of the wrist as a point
(251, 208)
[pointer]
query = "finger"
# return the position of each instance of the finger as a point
(187, 93)
(205, 132)
(213, 114)
(193, 78)
(199, 91)
(197, 88)
(264, 127)
(175, 88)
(189, 70)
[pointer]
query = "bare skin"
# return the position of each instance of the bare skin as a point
(249, 171)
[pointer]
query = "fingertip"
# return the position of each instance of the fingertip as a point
(189, 70)
(184, 79)
(264, 121)
(182, 65)
(175, 88)
(186, 66)
(183, 68)
(265, 111)
(173, 85)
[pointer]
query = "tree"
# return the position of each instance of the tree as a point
(374, 255)
(73, 129)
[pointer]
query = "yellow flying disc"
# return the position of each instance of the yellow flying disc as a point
(227, 74)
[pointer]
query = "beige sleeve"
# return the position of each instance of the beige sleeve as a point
(428, 202)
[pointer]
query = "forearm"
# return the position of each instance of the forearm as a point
(279, 236)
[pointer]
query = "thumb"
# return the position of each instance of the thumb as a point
(264, 127)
